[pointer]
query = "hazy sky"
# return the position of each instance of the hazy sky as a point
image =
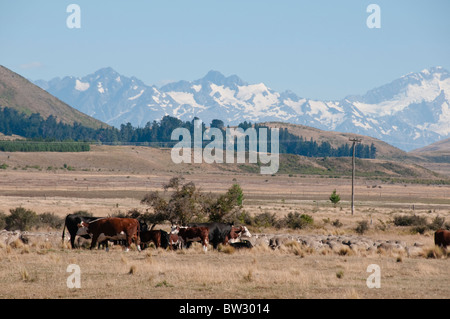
(317, 49)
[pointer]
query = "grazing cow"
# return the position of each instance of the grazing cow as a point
(71, 223)
(236, 233)
(174, 241)
(113, 228)
(442, 238)
(159, 237)
(218, 232)
(190, 234)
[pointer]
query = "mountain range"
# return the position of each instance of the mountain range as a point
(410, 112)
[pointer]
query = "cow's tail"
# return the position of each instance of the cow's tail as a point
(64, 229)
(138, 239)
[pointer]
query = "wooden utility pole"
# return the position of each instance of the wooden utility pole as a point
(354, 141)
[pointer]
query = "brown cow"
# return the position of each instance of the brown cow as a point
(159, 237)
(190, 234)
(113, 228)
(174, 241)
(237, 232)
(442, 238)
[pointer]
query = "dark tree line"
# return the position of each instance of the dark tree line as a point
(290, 143)
(159, 133)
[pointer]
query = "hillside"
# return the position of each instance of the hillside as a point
(440, 147)
(148, 160)
(435, 156)
(336, 139)
(19, 93)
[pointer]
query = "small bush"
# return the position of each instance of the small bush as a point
(298, 221)
(436, 223)
(410, 220)
(265, 220)
(21, 219)
(336, 223)
(51, 220)
(362, 227)
(419, 229)
(244, 218)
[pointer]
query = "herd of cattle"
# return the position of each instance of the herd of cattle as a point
(129, 230)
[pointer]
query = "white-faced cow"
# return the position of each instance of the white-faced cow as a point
(71, 223)
(192, 234)
(236, 234)
(113, 228)
(174, 241)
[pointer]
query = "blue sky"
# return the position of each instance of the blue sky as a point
(318, 49)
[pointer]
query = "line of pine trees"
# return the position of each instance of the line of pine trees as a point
(156, 133)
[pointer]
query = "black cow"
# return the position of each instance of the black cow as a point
(71, 223)
(242, 244)
(218, 232)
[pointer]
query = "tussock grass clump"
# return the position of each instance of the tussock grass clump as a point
(226, 249)
(345, 251)
(132, 270)
(248, 277)
(296, 248)
(434, 252)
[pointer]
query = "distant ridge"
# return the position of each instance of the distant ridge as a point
(437, 147)
(18, 93)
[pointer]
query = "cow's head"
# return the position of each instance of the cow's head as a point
(239, 231)
(175, 229)
(83, 229)
(245, 232)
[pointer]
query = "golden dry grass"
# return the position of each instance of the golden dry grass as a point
(105, 184)
(39, 271)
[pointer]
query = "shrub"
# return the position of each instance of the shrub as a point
(419, 229)
(362, 227)
(21, 219)
(295, 220)
(337, 223)
(436, 223)
(265, 220)
(409, 220)
(51, 220)
(244, 218)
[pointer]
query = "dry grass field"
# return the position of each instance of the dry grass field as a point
(109, 180)
(40, 272)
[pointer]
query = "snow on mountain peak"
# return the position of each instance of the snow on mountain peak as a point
(409, 112)
(81, 86)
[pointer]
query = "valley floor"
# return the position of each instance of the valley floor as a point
(38, 269)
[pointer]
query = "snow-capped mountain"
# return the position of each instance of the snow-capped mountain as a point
(410, 112)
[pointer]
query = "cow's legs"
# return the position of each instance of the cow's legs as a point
(94, 241)
(205, 245)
